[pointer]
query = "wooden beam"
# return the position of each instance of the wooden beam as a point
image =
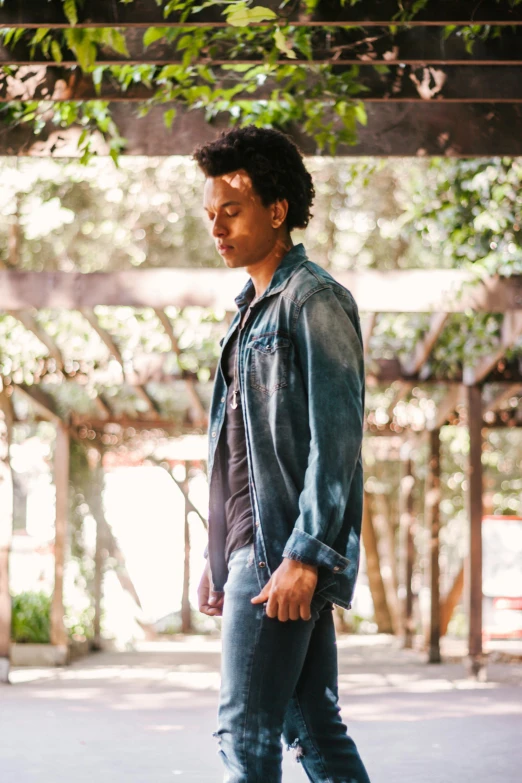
(447, 407)
(6, 531)
(146, 13)
(476, 662)
(103, 408)
(433, 517)
(412, 129)
(339, 46)
(113, 349)
(42, 403)
(61, 478)
(421, 83)
(510, 332)
(496, 402)
(200, 414)
(400, 291)
(402, 391)
(102, 333)
(125, 422)
(425, 346)
(31, 324)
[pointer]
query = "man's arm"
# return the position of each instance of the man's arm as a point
(329, 346)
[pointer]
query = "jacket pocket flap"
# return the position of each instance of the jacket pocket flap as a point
(270, 343)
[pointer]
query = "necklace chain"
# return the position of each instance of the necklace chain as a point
(235, 391)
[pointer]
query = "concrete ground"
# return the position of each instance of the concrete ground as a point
(147, 716)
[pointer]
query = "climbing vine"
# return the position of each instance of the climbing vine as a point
(271, 94)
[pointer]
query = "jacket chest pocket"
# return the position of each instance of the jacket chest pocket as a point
(269, 362)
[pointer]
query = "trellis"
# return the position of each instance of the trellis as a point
(468, 111)
(425, 92)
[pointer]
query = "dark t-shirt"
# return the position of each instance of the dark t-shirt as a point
(238, 507)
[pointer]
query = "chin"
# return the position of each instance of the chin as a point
(233, 262)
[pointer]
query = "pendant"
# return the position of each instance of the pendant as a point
(233, 404)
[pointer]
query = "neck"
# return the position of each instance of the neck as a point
(262, 271)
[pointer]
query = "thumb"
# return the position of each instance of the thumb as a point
(263, 595)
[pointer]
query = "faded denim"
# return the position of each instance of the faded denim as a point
(279, 681)
(301, 373)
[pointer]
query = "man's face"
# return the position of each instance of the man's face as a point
(244, 230)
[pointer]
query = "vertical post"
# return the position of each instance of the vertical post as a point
(407, 546)
(433, 514)
(186, 615)
(98, 583)
(61, 478)
(476, 663)
(95, 501)
(380, 604)
(6, 529)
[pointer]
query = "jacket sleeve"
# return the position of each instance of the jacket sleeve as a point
(329, 349)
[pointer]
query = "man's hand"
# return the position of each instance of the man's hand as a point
(210, 600)
(289, 591)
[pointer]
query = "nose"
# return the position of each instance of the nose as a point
(218, 229)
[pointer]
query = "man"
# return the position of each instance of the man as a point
(285, 470)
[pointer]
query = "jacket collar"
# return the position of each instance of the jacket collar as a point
(288, 265)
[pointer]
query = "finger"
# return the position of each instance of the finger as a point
(293, 611)
(212, 611)
(272, 606)
(282, 614)
(262, 596)
(305, 612)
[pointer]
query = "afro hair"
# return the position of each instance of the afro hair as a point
(273, 162)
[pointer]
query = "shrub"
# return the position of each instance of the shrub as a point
(31, 618)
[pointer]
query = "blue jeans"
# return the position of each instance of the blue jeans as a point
(279, 679)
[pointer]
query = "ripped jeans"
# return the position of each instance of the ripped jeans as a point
(279, 680)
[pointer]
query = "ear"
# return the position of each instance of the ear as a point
(279, 212)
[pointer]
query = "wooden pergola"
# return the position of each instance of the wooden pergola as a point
(436, 99)
(425, 93)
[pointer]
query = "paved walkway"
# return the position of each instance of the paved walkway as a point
(147, 717)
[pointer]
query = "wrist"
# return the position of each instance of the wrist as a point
(299, 564)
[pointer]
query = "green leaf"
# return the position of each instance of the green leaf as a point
(118, 43)
(39, 35)
(360, 113)
(56, 52)
(168, 117)
(97, 78)
(69, 9)
(153, 34)
(282, 44)
(241, 16)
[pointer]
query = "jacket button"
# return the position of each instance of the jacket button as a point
(261, 564)
(337, 568)
(257, 524)
(214, 434)
(222, 399)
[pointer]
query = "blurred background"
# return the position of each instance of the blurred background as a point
(137, 494)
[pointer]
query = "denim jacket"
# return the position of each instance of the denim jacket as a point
(301, 374)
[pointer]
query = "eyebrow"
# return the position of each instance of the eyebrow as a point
(227, 204)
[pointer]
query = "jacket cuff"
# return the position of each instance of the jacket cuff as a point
(307, 549)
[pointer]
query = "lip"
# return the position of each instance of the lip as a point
(224, 248)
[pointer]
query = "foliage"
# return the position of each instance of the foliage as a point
(31, 618)
(329, 110)
(368, 213)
